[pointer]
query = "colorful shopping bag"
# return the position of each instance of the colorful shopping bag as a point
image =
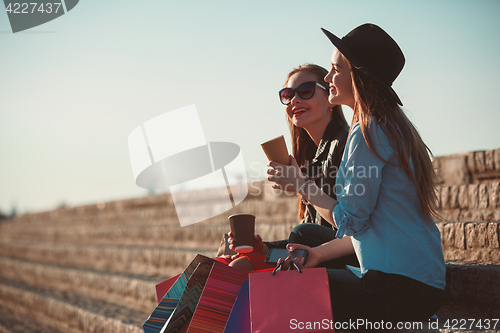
(163, 287)
(189, 299)
(217, 299)
(290, 301)
(239, 319)
(163, 311)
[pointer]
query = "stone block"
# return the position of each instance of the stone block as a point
(479, 160)
(459, 236)
(483, 196)
(463, 196)
(436, 165)
(454, 196)
(445, 215)
(494, 193)
(454, 235)
(444, 197)
(496, 159)
(454, 215)
(453, 170)
(489, 160)
(438, 197)
(440, 227)
(473, 196)
(493, 239)
(477, 216)
(448, 235)
(465, 215)
(482, 235)
(487, 215)
(471, 235)
(471, 163)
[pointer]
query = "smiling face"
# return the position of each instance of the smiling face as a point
(340, 80)
(312, 114)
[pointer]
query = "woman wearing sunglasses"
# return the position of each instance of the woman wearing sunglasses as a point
(319, 131)
(383, 216)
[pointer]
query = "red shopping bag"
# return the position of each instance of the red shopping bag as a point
(217, 299)
(163, 287)
(290, 301)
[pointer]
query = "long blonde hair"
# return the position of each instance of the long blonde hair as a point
(303, 147)
(371, 100)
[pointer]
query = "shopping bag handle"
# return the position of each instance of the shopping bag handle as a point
(279, 267)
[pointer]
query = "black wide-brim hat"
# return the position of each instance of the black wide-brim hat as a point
(370, 49)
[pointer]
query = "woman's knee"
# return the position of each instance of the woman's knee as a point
(310, 234)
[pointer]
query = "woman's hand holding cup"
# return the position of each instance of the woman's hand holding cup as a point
(258, 246)
(286, 177)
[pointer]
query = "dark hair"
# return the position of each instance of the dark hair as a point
(303, 146)
(372, 100)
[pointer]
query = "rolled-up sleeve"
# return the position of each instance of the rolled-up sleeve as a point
(358, 181)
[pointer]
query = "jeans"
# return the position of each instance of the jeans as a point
(314, 235)
(381, 296)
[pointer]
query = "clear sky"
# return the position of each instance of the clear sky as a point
(72, 90)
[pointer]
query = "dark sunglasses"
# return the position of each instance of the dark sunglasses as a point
(305, 91)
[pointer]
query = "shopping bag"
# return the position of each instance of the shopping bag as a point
(163, 311)
(239, 319)
(189, 299)
(163, 287)
(290, 301)
(217, 300)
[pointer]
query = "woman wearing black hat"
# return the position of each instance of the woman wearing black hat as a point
(385, 192)
(319, 132)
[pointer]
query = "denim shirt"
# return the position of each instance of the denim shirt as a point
(380, 209)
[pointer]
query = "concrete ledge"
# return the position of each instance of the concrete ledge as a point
(68, 313)
(199, 235)
(13, 322)
(153, 261)
(138, 292)
(473, 283)
(278, 210)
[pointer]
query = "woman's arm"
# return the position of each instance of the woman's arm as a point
(336, 248)
(291, 178)
(359, 180)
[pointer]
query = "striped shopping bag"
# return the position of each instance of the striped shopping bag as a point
(162, 313)
(217, 300)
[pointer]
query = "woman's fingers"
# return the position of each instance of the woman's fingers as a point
(287, 263)
(300, 263)
(292, 247)
(272, 172)
(231, 241)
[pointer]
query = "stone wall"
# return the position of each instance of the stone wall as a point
(470, 202)
(468, 168)
(470, 241)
